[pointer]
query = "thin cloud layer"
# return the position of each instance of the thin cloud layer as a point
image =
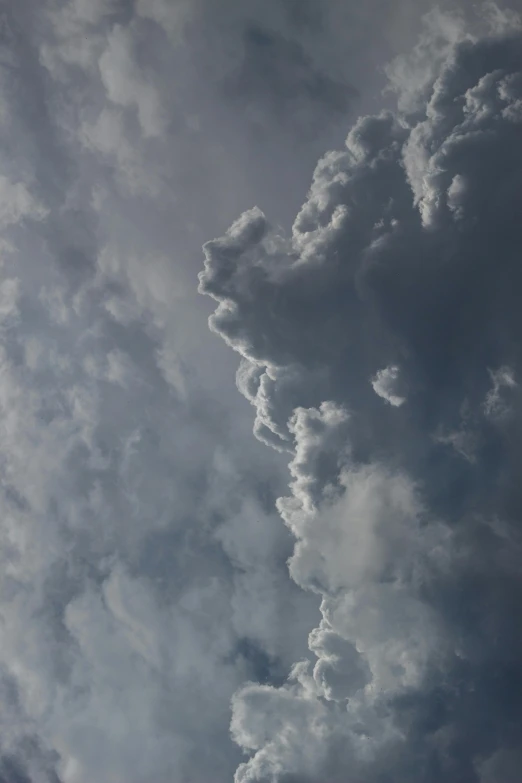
(406, 516)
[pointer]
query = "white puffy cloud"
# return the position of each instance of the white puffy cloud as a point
(385, 385)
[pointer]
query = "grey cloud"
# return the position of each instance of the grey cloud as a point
(404, 255)
(93, 624)
(340, 670)
(495, 403)
(125, 84)
(128, 523)
(144, 572)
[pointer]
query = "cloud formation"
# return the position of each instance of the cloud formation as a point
(385, 385)
(401, 267)
(145, 595)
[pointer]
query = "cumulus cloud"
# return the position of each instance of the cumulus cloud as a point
(404, 255)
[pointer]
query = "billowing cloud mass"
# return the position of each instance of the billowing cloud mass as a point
(402, 273)
(164, 618)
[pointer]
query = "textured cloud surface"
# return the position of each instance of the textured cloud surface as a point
(163, 617)
(401, 273)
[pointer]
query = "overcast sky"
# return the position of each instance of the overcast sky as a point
(260, 407)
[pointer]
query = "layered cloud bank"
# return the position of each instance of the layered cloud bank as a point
(380, 348)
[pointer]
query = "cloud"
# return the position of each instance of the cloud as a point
(114, 609)
(16, 202)
(126, 86)
(405, 255)
(134, 599)
(385, 384)
(107, 136)
(503, 380)
(77, 27)
(144, 566)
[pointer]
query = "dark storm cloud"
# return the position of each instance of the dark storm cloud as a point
(401, 273)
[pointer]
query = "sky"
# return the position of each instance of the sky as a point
(260, 391)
